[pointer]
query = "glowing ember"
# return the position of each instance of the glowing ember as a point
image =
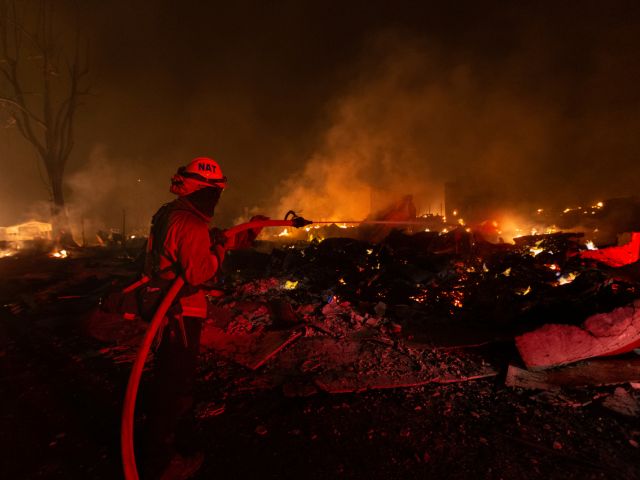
(284, 233)
(590, 245)
(60, 254)
(457, 296)
(536, 251)
(7, 253)
(567, 278)
(421, 298)
(289, 285)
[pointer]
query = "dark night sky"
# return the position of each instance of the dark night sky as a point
(307, 104)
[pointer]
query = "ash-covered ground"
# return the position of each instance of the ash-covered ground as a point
(339, 359)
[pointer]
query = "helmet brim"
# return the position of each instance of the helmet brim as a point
(199, 179)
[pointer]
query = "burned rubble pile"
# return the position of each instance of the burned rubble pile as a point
(344, 315)
(407, 346)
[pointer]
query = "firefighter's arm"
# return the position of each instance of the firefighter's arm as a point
(253, 233)
(241, 240)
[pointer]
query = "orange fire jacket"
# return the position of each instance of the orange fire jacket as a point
(179, 244)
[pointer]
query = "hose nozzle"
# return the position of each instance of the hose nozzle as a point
(296, 220)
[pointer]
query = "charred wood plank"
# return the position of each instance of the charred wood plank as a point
(249, 350)
(598, 372)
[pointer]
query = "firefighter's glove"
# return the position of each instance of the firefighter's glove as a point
(218, 241)
(217, 237)
(254, 232)
(218, 251)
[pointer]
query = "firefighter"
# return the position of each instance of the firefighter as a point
(180, 243)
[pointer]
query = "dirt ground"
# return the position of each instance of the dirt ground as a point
(62, 392)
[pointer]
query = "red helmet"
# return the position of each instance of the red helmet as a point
(201, 172)
(207, 171)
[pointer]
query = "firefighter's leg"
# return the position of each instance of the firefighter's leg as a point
(186, 424)
(171, 392)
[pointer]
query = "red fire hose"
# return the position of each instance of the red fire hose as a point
(233, 231)
(128, 410)
(126, 426)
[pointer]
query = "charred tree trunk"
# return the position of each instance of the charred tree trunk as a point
(60, 220)
(31, 49)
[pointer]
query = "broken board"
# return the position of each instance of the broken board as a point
(598, 372)
(352, 383)
(349, 366)
(251, 350)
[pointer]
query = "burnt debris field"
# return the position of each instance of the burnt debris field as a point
(422, 356)
(458, 298)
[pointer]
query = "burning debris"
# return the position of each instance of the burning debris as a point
(494, 336)
(412, 313)
(387, 294)
(31, 235)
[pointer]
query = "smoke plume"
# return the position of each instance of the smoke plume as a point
(417, 115)
(411, 122)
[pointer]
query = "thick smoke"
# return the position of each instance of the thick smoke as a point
(108, 192)
(535, 105)
(409, 124)
(416, 117)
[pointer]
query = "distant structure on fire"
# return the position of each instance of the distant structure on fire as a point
(383, 200)
(471, 200)
(26, 232)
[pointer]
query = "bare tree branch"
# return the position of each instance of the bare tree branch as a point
(32, 49)
(15, 104)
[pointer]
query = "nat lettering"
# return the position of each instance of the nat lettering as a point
(205, 167)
